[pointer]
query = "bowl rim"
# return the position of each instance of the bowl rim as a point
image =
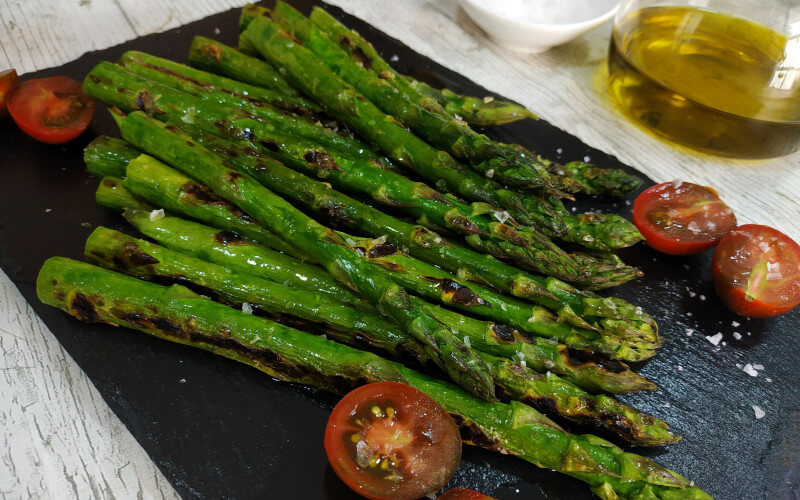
(532, 25)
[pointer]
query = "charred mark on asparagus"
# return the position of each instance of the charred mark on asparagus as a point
(322, 160)
(580, 357)
(473, 434)
(82, 308)
(458, 293)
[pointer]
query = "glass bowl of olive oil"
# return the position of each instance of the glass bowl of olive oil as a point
(718, 76)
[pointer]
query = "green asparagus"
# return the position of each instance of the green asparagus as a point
(186, 77)
(582, 367)
(504, 162)
(449, 352)
(574, 308)
(96, 295)
(117, 251)
(209, 55)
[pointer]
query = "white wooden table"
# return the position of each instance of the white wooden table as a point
(59, 439)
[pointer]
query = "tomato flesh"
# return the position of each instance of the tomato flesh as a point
(463, 494)
(9, 81)
(756, 271)
(681, 218)
(51, 110)
(390, 441)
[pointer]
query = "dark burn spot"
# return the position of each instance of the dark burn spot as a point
(580, 357)
(361, 57)
(190, 143)
(94, 78)
(473, 434)
(83, 309)
(250, 151)
(136, 256)
(171, 128)
(110, 183)
(124, 91)
(146, 103)
(270, 145)
(322, 160)
(202, 194)
(234, 176)
(231, 152)
(503, 333)
(382, 250)
(54, 282)
(229, 238)
(458, 293)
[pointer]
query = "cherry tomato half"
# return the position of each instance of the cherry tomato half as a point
(8, 84)
(463, 494)
(51, 110)
(756, 271)
(681, 218)
(390, 441)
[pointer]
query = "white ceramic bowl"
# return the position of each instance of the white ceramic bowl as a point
(537, 25)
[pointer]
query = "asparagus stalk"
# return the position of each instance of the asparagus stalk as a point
(108, 156)
(430, 121)
(590, 178)
(609, 316)
(424, 244)
(175, 192)
(112, 194)
(582, 367)
(485, 112)
(209, 55)
(449, 352)
(158, 69)
(93, 294)
(592, 233)
(551, 394)
(526, 247)
(118, 86)
(475, 111)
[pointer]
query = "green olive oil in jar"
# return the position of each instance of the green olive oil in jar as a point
(713, 82)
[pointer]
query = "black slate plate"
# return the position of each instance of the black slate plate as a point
(218, 429)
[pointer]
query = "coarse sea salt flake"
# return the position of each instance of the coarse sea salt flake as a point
(702, 297)
(247, 308)
(466, 341)
(488, 99)
(490, 173)
(748, 369)
(680, 368)
(757, 366)
(502, 216)
(735, 324)
(157, 214)
(737, 335)
(715, 339)
(689, 332)
(764, 246)
(758, 412)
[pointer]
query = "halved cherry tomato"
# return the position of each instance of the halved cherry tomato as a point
(390, 441)
(756, 271)
(463, 494)
(8, 84)
(681, 218)
(51, 110)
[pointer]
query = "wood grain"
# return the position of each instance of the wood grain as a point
(59, 439)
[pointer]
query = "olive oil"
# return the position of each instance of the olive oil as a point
(716, 83)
